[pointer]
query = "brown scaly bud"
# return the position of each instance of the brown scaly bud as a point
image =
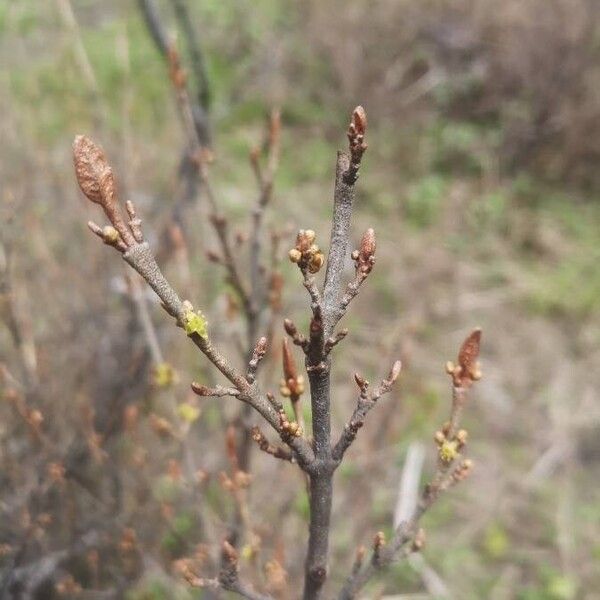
(316, 262)
(467, 370)
(356, 136)
(200, 389)
(94, 174)
(361, 382)
(260, 349)
(394, 372)
(96, 180)
(289, 327)
(293, 381)
(364, 257)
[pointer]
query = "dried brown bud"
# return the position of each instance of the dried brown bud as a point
(261, 346)
(395, 372)
(469, 352)
(96, 180)
(361, 382)
(290, 371)
(356, 137)
(365, 257)
(93, 172)
(359, 120)
(289, 327)
(467, 371)
(316, 262)
(200, 389)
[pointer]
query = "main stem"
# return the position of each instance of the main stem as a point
(319, 373)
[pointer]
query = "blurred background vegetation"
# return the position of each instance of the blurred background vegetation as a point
(482, 183)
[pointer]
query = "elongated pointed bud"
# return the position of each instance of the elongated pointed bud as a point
(395, 372)
(96, 180)
(200, 389)
(359, 121)
(469, 351)
(289, 327)
(290, 370)
(467, 371)
(94, 174)
(364, 257)
(356, 139)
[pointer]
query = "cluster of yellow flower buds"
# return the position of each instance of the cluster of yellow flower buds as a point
(289, 428)
(292, 387)
(163, 375)
(449, 449)
(306, 253)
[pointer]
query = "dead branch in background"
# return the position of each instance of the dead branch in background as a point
(316, 456)
(198, 111)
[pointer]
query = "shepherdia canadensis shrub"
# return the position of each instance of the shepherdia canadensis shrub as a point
(315, 452)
